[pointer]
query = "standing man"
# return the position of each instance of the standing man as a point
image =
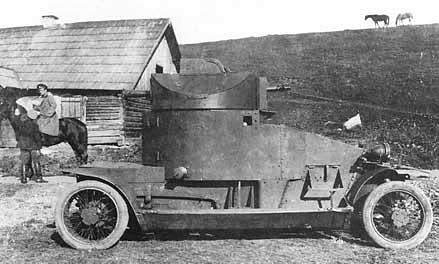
(29, 143)
(48, 119)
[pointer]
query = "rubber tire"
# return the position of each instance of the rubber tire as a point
(122, 219)
(379, 192)
(357, 226)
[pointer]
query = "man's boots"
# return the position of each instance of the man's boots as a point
(29, 171)
(37, 172)
(23, 173)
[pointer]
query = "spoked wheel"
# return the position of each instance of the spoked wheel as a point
(397, 215)
(92, 215)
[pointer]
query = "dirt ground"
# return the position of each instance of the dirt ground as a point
(28, 235)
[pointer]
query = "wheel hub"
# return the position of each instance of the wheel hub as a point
(90, 216)
(400, 217)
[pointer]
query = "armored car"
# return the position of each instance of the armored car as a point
(212, 163)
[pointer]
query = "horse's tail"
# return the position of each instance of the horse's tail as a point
(387, 20)
(397, 18)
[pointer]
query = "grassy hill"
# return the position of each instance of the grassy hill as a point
(391, 67)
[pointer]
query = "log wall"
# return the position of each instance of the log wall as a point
(104, 120)
(134, 106)
(116, 119)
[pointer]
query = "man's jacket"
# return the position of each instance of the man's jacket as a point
(48, 120)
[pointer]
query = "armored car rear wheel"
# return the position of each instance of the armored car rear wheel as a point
(91, 215)
(397, 215)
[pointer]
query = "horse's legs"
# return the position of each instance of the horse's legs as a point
(76, 136)
(81, 153)
(79, 147)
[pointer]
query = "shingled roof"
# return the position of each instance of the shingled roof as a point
(108, 55)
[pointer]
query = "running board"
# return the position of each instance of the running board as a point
(241, 219)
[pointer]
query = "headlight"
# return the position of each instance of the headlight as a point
(180, 173)
(379, 153)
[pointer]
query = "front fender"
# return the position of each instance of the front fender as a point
(373, 177)
(130, 181)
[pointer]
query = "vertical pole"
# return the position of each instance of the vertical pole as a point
(239, 195)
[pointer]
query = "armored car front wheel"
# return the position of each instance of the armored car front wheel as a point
(397, 215)
(91, 215)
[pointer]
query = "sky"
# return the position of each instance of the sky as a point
(196, 21)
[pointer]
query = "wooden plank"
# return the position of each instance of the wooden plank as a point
(109, 114)
(104, 119)
(106, 123)
(135, 104)
(103, 126)
(104, 113)
(99, 105)
(133, 114)
(92, 59)
(104, 133)
(136, 109)
(95, 108)
(134, 124)
(133, 140)
(115, 102)
(70, 99)
(132, 119)
(103, 105)
(103, 140)
(104, 98)
(140, 100)
(133, 135)
(102, 110)
(136, 94)
(133, 129)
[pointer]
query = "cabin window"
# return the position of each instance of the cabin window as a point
(158, 69)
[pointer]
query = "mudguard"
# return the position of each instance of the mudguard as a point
(131, 180)
(375, 176)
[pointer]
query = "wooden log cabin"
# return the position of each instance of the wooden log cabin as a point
(98, 71)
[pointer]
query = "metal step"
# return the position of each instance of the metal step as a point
(229, 219)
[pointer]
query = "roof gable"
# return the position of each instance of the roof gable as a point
(87, 55)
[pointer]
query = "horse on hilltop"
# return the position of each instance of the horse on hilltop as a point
(378, 18)
(71, 130)
(402, 17)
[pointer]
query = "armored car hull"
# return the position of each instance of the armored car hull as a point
(210, 162)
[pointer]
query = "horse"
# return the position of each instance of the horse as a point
(402, 17)
(71, 130)
(378, 18)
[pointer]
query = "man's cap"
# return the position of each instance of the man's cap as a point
(42, 85)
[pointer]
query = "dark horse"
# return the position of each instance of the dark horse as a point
(378, 18)
(71, 130)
